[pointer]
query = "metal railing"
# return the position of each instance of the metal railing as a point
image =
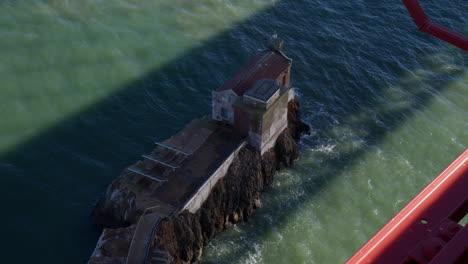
(142, 173)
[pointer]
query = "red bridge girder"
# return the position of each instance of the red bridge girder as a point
(426, 230)
(426, 25)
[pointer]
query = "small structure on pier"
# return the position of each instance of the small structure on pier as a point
(255, 99)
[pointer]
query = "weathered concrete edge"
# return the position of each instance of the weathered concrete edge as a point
(199, 197)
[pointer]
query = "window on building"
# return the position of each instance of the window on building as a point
(224, 113)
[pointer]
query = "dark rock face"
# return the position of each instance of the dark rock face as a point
(124, 201)
(113, 246)
(234, 197)
(117, 208)
(295, 125)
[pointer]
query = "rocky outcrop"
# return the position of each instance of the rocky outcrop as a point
(183, 236)
(234, 197)
(117, 207)
(113, 246)
(296, 126)
(124, 202)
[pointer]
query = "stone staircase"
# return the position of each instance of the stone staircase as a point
(158, 165)
(141, 241)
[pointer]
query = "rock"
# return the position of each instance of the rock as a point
(257, 203)
(125, 201)
(117, 207)
(113, 246)
(295, 125)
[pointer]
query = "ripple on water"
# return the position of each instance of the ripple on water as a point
(386, 105)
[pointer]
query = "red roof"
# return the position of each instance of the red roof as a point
(265, 65)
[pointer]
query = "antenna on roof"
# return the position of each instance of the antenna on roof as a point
(275, 44)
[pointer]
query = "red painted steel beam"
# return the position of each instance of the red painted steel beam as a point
(426, 25)
(426, 230)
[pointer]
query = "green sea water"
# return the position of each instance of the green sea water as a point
(88, 85)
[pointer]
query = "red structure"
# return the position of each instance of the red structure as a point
(426, 25)
(427, 229)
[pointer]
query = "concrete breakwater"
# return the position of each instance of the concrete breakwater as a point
(166, 207)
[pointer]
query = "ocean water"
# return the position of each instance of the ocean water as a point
(88, 85)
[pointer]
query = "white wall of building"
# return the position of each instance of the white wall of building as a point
(222, 105)
(204, 191)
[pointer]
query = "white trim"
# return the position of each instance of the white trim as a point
(211, 181)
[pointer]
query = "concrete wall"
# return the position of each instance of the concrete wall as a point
(273, 99)
(273, 122)
(275, 117)
(197, 199)
(255, 139)
(242, 119)
(254, 102)
(272, 140)
(223, 100)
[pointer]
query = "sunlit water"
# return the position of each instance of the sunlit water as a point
(88, 85)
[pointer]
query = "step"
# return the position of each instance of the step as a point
(152, 158)
(145, 174)
(162, 208)
(172, 148)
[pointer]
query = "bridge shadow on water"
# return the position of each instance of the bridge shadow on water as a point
(55, 177)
